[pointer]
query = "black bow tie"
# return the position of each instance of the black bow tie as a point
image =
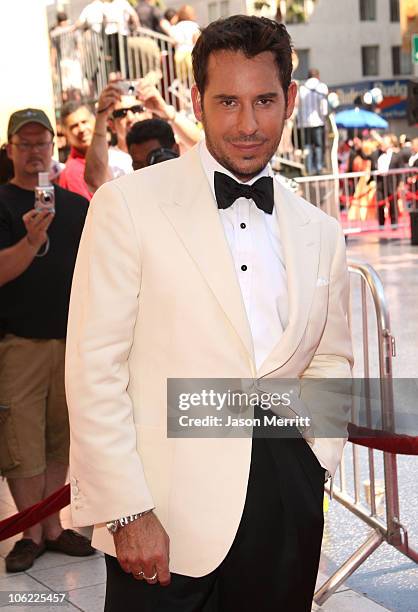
(227, 190)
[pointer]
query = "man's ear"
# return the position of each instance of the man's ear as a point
(197, 102)
(176, 148)
(9, 150)
(291, 98)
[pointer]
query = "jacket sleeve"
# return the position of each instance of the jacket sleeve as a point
(106, 474)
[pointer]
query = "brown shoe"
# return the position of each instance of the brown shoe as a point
(71, 543)
(23, 554)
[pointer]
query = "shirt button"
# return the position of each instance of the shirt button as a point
(242, 225)
(244, 268)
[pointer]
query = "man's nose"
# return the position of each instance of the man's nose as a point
(247, 121)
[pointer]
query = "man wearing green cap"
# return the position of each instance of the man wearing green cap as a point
(37, 257)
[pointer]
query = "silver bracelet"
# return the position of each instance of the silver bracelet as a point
(114, 526)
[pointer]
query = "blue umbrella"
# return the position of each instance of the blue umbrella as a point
(360, 118)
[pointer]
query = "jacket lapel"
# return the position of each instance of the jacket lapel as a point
(195, 218)
(300, 236)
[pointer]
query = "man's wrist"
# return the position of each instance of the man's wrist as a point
(116, 525)
(101, 124)
(32, 246)
(171, 114)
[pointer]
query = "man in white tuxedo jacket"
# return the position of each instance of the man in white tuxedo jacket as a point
(206, 267)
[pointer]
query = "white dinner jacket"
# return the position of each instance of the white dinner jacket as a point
(155, 295)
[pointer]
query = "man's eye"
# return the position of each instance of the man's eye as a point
(265, 101)
(228, 103)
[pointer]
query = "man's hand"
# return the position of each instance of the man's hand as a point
(154, 102)
(143, 546)
(110, 95)
(36, 224)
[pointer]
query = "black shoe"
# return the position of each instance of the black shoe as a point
(23, 554)
(71, 543)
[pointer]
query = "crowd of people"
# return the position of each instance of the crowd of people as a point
(102, 31)
(370, 195)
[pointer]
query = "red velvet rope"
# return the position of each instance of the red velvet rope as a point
(399, 444)
(408, 195)
(35, 514)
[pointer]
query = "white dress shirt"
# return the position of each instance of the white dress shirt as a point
(254, 240)
(412, 160)
(383, 161)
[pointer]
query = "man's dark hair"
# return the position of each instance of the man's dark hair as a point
(61, 16)
(169, 14)
(151, 129)
(71, 107)
(248, 34)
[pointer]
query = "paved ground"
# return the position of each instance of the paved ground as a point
(388, 580)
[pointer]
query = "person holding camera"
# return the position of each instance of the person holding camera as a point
(151, 142)
(40, 230)
(119, 108)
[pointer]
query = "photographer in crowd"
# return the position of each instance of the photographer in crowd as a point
(151, 142)
(40, 231)
(119, 112)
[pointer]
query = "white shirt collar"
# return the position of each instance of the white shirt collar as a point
(210, 166)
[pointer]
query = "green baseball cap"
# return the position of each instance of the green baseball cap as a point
(28, 115)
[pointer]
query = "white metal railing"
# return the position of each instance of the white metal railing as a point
(387, 528)
(355, 198)
(84, 61)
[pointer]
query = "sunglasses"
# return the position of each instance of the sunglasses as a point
(120, 113)
(25, 147)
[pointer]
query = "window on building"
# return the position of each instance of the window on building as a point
(301, 73)
(401, 62)
(224, 8)
(295, 12)
(394, 10)
(212, 11)
(367, 10)
(370, 60)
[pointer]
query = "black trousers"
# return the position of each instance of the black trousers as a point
(386, 191)
(273, 562)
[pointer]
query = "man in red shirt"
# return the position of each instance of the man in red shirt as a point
(78, 125)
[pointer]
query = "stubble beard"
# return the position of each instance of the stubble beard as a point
(243, 174)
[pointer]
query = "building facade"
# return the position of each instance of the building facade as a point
(357, 45)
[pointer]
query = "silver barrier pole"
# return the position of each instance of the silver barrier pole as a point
(392, 531)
